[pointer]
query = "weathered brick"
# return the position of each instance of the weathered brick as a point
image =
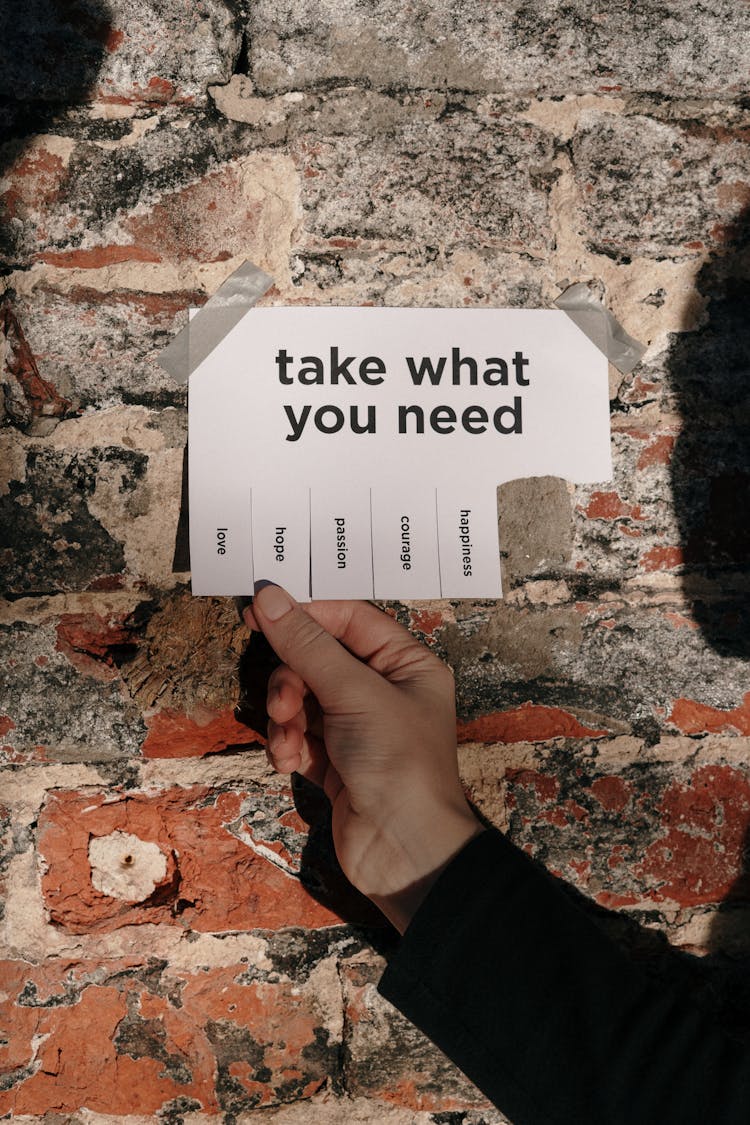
(654, 189)
(425, 177)
(122, 1037)
(180, 190)
(614, 667)
(177, 675)
(28, 400)
(94, 644)
(234, 861)
(78, 518)
(648, 836)
(101, 348)
(387, 1058)
(425, 277)
(62, 707)
(541, 48)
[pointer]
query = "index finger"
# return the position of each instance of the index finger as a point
(367, 632)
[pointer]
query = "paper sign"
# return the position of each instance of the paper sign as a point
(383, 403)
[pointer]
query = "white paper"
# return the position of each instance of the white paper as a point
(401, 400)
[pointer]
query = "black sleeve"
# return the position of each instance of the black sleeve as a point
(514, 981)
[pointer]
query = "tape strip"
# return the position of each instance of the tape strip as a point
(214, 320)
(604, 330)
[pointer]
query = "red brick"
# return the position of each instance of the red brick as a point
(612, 793)
(545, 787)
(154, 305)
(281, 1018)
(530, 722)
(613, 901)
(203, 221)
(426, 621)
(582, 867)
(157, 90)
(610, 506)
(114, 39)
(206, 221)
(698, 858)
(680, 621)
(87, 639)
(214, 882)
(35, 180)
(661, 558)
(642, 388)
(699, 718)
(80, 1064)
(97, 257)
(657, 452)
(41, 396)
(172, 734)
(118, 1038)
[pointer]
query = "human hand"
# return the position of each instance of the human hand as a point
(362, 709)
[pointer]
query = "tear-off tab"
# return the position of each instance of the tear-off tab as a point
(468, 543)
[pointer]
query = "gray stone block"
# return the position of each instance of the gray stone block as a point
(377, 168)
(658, 190)
(542, 48)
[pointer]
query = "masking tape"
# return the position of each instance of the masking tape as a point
(595, 321)
(214, 320)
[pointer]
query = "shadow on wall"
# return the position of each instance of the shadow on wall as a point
(51, 52)
(50, 55)
(709, 373)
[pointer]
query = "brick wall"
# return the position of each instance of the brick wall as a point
(178, 944)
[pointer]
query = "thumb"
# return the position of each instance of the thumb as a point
(338, 679)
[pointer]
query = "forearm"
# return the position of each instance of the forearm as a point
(518, 985)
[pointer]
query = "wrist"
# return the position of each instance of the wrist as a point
(418, 856)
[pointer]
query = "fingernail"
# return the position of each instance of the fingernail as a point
(273, 602)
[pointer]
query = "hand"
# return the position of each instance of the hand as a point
(362, 709)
